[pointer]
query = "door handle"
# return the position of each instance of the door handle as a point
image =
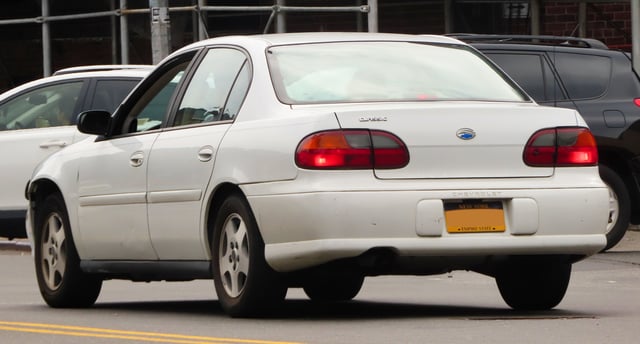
(53, 143)
(205, 153)
(136, 159)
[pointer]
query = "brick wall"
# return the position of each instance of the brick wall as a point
(608, 22)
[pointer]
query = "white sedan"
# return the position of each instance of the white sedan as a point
(315, 160)
(38, 118)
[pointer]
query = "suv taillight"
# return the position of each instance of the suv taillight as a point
(351, 149)
(561, 147)
(636, 101)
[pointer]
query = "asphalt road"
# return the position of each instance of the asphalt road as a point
(602, 305)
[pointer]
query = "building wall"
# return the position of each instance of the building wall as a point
(608, 22)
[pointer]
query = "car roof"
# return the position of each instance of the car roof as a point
(120, 73)
(97, 68)
(315, 37)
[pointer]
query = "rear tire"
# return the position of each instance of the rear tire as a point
(333, 287)
(619, 207)
(245, 284)
(62, 284)
(534, 286)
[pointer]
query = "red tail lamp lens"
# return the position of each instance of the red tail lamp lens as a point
(561, 147)
(351, 149)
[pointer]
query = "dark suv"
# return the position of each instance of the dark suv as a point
(601, 84)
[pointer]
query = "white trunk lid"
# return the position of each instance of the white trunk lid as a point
(431, 132)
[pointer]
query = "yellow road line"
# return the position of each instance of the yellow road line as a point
(79, 331)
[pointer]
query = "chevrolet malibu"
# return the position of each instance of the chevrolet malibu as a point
(313, 161)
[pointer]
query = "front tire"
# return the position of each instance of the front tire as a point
(534, 286)
(245, 284)
(619, 207)
(62, 284)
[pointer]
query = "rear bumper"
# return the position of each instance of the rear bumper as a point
(304, 254)
(303, 230)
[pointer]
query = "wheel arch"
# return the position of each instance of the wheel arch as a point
(216, 199)
(37, 191)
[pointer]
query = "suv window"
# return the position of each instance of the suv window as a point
(584, 76)
(45, 107)
(108, 94)
(537, 78)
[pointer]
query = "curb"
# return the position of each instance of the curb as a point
(22, 246)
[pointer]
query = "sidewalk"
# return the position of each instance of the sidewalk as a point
(15, 245)
(630, 242)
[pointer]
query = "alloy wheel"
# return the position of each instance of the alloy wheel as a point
(234, 255)
(54, 251)
(614, 209)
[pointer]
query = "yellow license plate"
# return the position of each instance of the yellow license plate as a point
(474, 216)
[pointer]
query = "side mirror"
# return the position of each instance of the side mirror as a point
(94, 122)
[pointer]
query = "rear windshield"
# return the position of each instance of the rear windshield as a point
(384, 71)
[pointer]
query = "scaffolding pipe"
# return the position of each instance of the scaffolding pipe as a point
(114, 34)
(535, 17)
(582, 19)
(278, 10)
(202, 15)
(21, 21)
(372, 17)
(635, 35)
(448, 16)
(46, 40)
(160, 30)
(195, 22)
(281, 24)
(362, 8)
(124, 35)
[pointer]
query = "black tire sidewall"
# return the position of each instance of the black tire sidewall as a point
(333, 287)
(76, 289)
(613, 181)
(534, 286)
(262, 287)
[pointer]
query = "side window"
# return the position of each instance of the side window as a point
(151, 107)
(584, 76)
(209, 89)
(532, 72)
(49, 106)
(238, 92)
(108, 94)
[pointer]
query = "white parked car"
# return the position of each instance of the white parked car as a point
(315, 160)
(38, 118)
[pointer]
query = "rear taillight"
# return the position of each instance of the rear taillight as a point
(352, 149)
(636, 101)
(561, 147)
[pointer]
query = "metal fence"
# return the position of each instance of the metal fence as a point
(159, 10)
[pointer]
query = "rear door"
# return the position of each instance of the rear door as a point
(183, 156)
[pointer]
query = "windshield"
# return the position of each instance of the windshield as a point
(385, 71)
